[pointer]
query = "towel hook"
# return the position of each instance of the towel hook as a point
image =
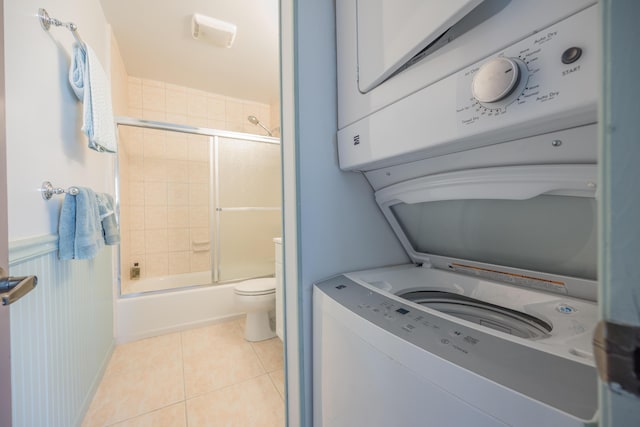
(48, 190)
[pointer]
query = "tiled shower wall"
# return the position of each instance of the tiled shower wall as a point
(164, 204)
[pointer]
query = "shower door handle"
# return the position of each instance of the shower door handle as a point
(14, 288)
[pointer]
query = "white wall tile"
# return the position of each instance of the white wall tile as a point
(156, 116)
(196, 104)
(155, 193)
(234, 112)
(216, 108)
(177, 148)
(176, 101)
(157, 264)
(153, 83)
(200, 261)
(136, 168)
(178, 216)
(198, 216)
(199, 172)
(177, 194)
(198, 148)
(178, 239)
(137, 218)
(155, 170)
(198, 194)
(137, 242)
(155, 217)
(177, 171)
(136, 193)
(135, 94)
(156, 241)
(153, 98)
(179, 262)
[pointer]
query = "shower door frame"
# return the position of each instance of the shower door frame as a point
(214, 181)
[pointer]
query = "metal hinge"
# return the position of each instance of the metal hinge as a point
(616, 348)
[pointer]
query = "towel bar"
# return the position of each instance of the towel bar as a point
(46, 21)
(48, 190)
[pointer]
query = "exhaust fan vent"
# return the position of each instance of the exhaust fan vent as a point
(215, 31)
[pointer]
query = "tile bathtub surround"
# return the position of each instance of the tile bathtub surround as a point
(207, 376)
(164, 177)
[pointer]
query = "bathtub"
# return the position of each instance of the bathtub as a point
(144, 316)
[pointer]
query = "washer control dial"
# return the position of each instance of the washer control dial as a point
(495, 80)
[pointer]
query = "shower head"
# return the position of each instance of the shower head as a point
(255, 121)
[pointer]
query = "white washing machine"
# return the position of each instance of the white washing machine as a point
(475, 124)
(491, 325)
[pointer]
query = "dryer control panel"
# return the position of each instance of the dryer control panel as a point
(544, 83)
(535, 73)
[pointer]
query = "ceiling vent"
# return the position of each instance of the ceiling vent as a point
(211, 30)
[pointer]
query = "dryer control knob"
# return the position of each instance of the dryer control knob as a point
(495, 79)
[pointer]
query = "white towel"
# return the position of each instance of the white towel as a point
(91, 86)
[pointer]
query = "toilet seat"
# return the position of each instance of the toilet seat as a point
(256, 287)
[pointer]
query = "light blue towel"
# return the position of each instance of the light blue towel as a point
(91, 85)
(84, 234)
(67, 228)
(110, 230)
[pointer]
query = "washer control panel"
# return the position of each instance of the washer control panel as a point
(486, 354)
(415, 325)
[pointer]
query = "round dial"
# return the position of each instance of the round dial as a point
(495, 80)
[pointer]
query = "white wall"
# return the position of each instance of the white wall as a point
(68, 316)
(337, 226)
(44, 141)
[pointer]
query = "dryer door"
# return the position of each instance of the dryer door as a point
(390, 32)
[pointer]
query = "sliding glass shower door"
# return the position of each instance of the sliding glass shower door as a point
(197, 206)
(247, 207)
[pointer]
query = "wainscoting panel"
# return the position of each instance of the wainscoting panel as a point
(61, 333)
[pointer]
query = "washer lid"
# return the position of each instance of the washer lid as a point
(533, 218)
(261, 286)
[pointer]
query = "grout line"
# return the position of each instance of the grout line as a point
(145, 413)
(258, 357)
(275, 386)
(184, 381)
(227, 386)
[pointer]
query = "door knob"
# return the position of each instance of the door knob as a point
(14, 288)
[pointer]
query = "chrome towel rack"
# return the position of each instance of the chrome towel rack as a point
(46, 21)
(48, 190)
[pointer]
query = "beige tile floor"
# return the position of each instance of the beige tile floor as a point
(204, 377)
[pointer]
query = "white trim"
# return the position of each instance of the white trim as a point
(511, 182)
(26, 249)
(150, 124)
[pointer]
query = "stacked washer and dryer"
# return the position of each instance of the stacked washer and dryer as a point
(475, 124)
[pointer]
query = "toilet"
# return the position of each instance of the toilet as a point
(257, 297)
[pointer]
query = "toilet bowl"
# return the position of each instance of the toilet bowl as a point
(257, 297)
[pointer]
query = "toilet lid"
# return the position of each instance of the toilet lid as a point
(262, 286)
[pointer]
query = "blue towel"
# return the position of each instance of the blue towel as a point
(91, 85)
(84, 234)
(67, 228)
(110, 230)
